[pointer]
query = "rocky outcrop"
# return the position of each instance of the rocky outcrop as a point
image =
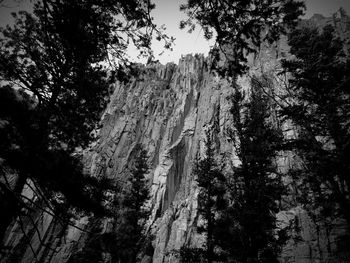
(168, 112)
(168, 109)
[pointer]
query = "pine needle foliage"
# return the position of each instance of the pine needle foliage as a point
(255, 187)
(239, 27)
(55, 84)
(211, 200)
(319, 108)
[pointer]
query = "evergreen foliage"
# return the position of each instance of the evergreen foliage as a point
(54, 87)
(192, 255)
(319, 107)
(211, 195)
(128, 237)
(255, 188)
(53, 90)
(248, 226)
(129, 215)
(239, 27)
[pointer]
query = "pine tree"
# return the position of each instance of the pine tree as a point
(51, 71)
(319, 108)
(127, 239)
(211, 195)
(136, 213)
(255, 187)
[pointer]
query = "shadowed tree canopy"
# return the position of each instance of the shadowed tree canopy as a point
(251, 233)
(131, 235)
(56, 53)
(54, 87)
(320, 109)
(127, 238)
(210, 199)
(240, 26)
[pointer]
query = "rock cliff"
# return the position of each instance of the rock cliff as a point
(168, 109)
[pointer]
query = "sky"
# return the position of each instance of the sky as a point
(167, 12)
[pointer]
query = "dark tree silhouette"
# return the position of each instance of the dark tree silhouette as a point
(255, 187)
(128, 238)
(211, 195)
(134, 201)
(319, 108)
(191, 255)
(54, 87)
(247, 232)
(240, 26)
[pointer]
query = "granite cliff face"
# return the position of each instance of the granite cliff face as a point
(168, 112)
(168, 109)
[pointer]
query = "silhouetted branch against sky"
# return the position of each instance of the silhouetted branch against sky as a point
(167, 12)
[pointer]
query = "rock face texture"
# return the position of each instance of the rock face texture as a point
(168, 110)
